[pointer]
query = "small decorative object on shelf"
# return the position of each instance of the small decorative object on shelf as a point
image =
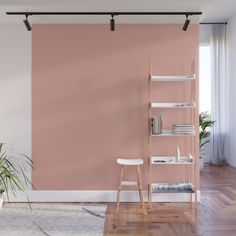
(190, 158)
(159, 161)
(182, 187)
(190, 104)
(177, 157)
(157, 125)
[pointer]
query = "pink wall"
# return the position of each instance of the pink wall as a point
(90, 100)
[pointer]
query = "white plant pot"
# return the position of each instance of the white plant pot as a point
(1, 201)
(201, 163)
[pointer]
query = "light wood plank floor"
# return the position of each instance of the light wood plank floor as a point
(214, 216)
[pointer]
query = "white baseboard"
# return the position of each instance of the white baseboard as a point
(99, 196)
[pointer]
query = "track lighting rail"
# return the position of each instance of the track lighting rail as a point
(112, 14)
(103, 13)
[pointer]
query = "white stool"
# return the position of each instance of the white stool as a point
(130, 162)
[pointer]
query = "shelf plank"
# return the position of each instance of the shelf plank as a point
(172, 105)
(169, 133)
(129, 183)
(168, 78)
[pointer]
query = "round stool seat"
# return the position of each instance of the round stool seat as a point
(129, 162)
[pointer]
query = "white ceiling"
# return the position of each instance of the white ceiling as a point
(213, 10)
(104, 5)
(221, 11)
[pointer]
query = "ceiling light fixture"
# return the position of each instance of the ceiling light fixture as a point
(112, 14)
(112, 23)
(27, 24)
(186, 23)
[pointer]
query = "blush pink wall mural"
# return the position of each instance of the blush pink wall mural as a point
(90, 100)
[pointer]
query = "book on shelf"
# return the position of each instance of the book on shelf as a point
(183, 129)
(184, 126)
(156, 125)
(185, 133)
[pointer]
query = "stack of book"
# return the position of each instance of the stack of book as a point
(184, 129)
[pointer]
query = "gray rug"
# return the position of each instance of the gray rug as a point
(54, 219)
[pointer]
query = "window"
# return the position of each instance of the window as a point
(205, 79)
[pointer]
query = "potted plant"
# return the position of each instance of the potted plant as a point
(205, 123)
(12, 173)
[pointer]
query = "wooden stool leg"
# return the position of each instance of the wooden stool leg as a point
(140, 188)
(119, 189)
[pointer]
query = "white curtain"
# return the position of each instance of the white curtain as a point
(219, 93)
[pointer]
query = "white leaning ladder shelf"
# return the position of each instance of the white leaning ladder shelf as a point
(154, 161)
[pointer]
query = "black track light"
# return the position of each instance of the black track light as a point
(112, 24)
(186, 24)
(27, 24)
(111, 13)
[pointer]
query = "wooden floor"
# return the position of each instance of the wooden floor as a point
(214, 216)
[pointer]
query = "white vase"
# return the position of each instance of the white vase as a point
(177, 156)
(201, 163)
(1, 200)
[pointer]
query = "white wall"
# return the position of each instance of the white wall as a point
(15, 88)
(204, 34)
(231, 36)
